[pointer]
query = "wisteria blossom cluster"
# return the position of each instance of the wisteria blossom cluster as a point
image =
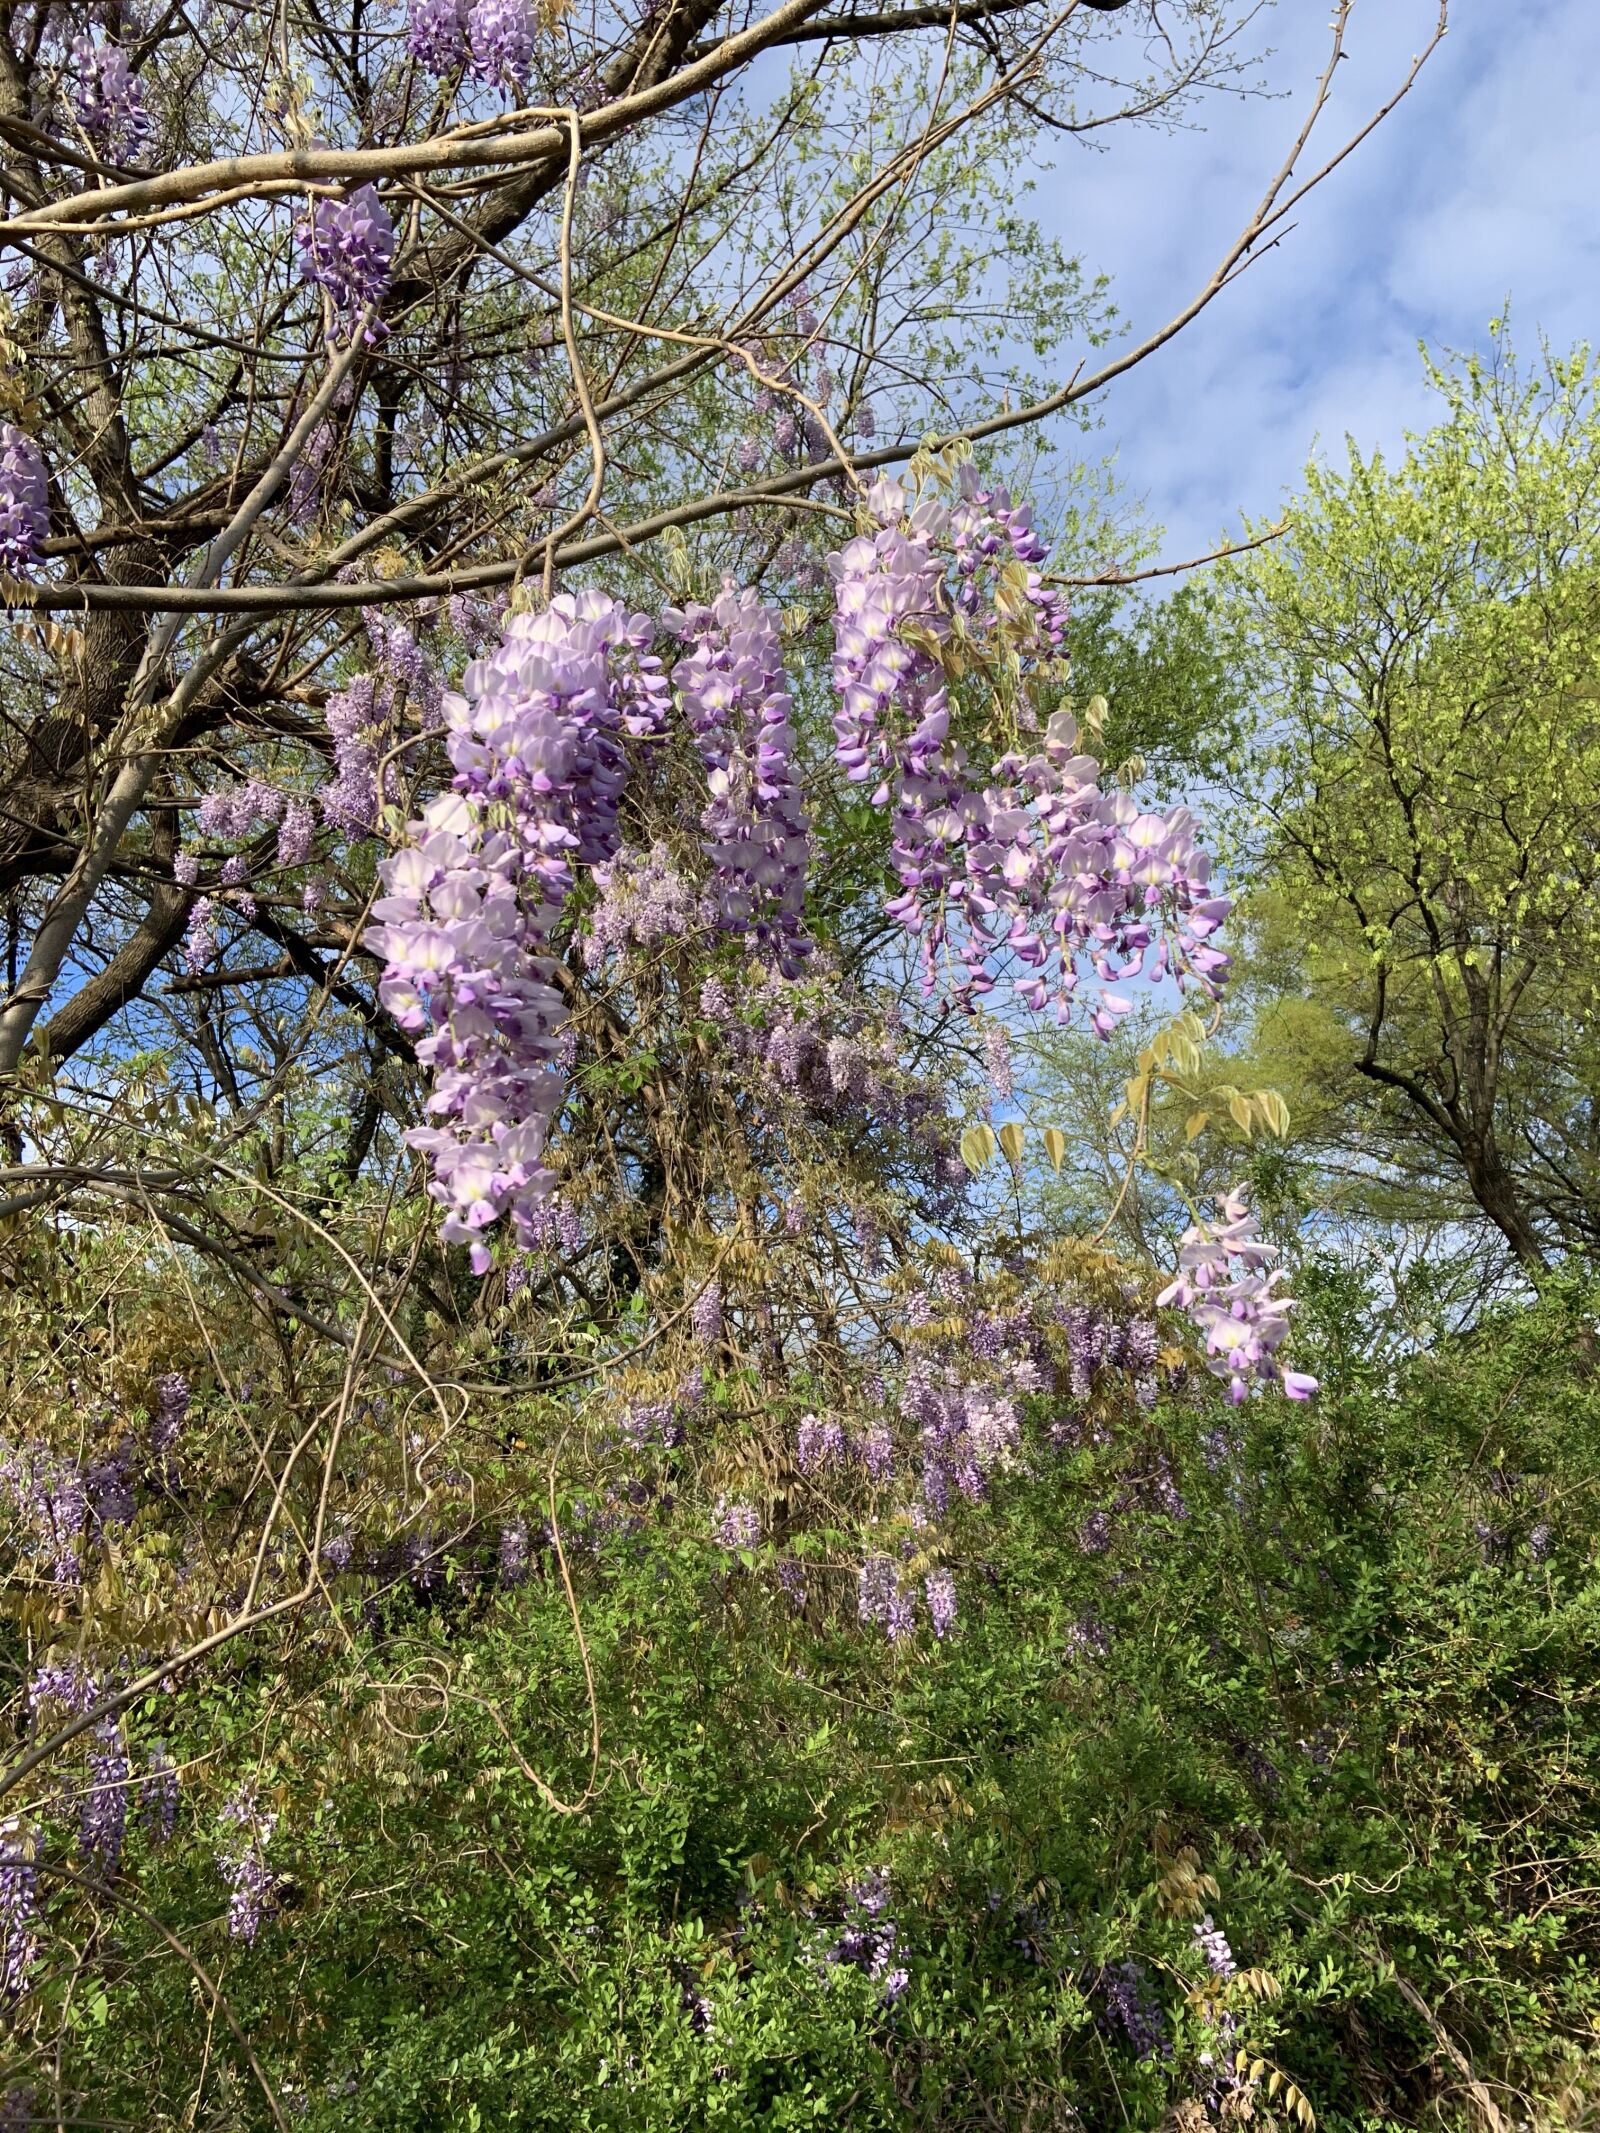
(108, 101)
(643, 900)
(347, 248)
(103, 1808)
(1133, 2009)
(1036, 864)
(734, 696)
(24, 500)
(1234, 1303)
(242, 1861)
(358, 727)
(869, 1939)
(498, 36)
(48, 1498)
(537, 744)
(19, 1908)
(988, 530)
(736, 1525)
(812, 1048)
(436, 34)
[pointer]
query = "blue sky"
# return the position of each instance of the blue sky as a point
(1483, 185)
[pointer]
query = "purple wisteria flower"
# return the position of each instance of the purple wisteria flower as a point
(512, 1560)
(49, 1496)
(736, 1525)
(736, 700)
(705, 1314)
(939, 1587)
(103, 1808)
(19, 1909)
(436, 34)
(1132, 2007)
(358, 729)
(296, 833)
(158, 1795)
(200, 939)
(242, 1862)
(347, 248)
(644, 900)
(881, 1599)
(876, 1452)
(1038, 866)
(1231, 1300)
(64, 1682)
(818, 1444)
(108, 101)
(306, 475)
(869, 1940)
(24, 500)
(501, 37)
(1212, 1944)
(997, 1059)
(471, 902)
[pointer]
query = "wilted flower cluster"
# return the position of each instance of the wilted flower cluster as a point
(24, 500)
(347, 248)
(1220, 1283)
(172, 1404)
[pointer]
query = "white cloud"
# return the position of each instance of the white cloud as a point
(1481, 185)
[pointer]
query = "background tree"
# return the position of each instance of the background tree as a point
(1421, 648)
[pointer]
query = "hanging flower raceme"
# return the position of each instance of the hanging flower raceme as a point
(347, 248)
(987, 529)
(24, 500)
(19, 1909)
(501, 34)
(736, 700)
(436, 34)
(537, 744)
(108, 101)
(1037, 864)
(1223, 1285)
(242, 1861)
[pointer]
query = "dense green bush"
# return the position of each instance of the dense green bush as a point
(1329, 1682)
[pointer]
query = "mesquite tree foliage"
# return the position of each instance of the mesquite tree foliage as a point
(512, 812)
